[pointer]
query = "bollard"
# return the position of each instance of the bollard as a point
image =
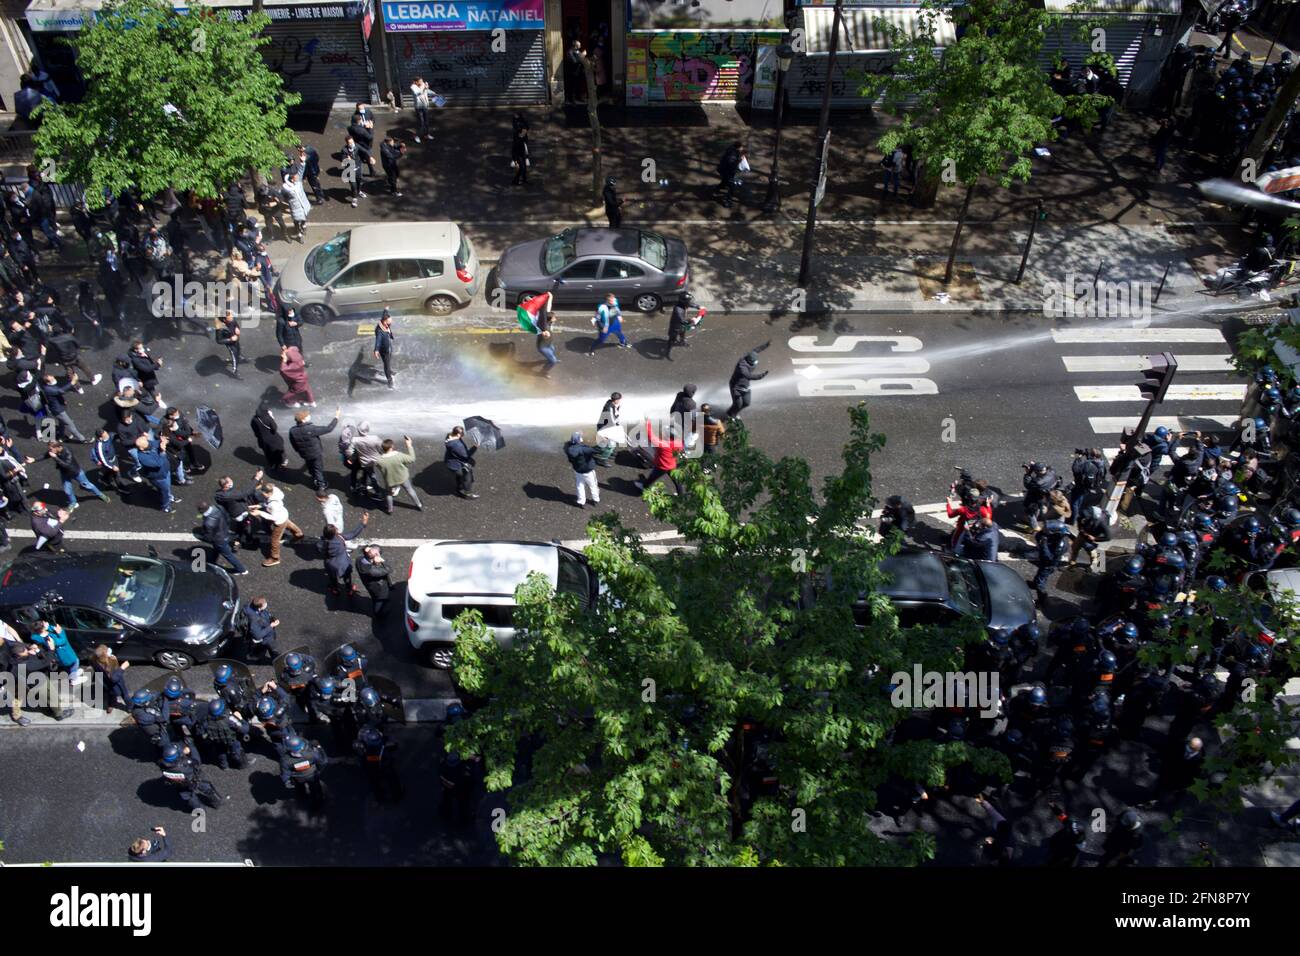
(1038, 214)
(1160, 288)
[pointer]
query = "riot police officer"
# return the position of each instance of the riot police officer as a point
(1024, 643)
(457, 779)
(368, 711)
(1146, 696)
(1052, 546)
(227, 731)
(295, 677)
(1075, 645)
(351, 665)
(238, 694)
(320, 699)
(1040, 481)
(273, 712)
(1065, 845)
(148, 716)
(300, 766)
(376, 752)
(180, 767)
(1058, 756)
(1123, 842)
(178, 710)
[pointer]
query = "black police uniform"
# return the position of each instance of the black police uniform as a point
(298, 685)
(378, 759)
(303, 771)
(180, 714)
(150, 719)
(240, 697)
(228, 734)
(457, 779)
(188, 779)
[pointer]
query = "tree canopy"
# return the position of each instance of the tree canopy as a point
(650, 721)
(180, 100)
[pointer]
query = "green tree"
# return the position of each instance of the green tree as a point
(641, 716)
(180, 100)
(978, 107)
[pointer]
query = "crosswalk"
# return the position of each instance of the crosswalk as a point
(1206, 394)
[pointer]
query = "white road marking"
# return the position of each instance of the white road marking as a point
(1210, 423)
(1086, 336)
(1140, 363)
(887, 365)
(1184, 393)
(176, 537)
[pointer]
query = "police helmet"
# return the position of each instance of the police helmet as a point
(1242, 130)
(452, 759)
(1080, 627)
(1290, 519)
(1037, 696)
(999, 638)
(1271, 395)
(1130, 820)
(1230, 489)
(1161, 621)
(347, 654)
(1266, 374)
(1168, 540)
(1099, 707)
(1188, 538)
(141, 698)
(171, 753)
(266, 707)
(221, 677)
(455, 711)
(1204, 523)
(1135, 565)
(370, 697)
(1064, 726)
(173, 688)
(1250, 526)
(1216, 583)
(370, 737)
(1175, 560)
(295, 745)
(1293, 394)
(293, 663)
(957, 728)
(1014, 737)
(1129, 632)
(1187, 611)
(216, 707)
(1260, 424)
(1254, 653)
(1032, 632)
(1162, 433)
(327, 686)
(1107, 661)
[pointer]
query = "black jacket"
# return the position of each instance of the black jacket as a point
(375, 577)
(216, 526)
(457, 455)
(287, 334)
(266, 431)
(305, 439)
(146, 368)
(744, 371)
(580, 457)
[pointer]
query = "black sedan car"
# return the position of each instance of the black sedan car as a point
(581, 266)
(928, 587)
(144, 608)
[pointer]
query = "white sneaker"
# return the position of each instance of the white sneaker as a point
(96, 380)
(417, 139)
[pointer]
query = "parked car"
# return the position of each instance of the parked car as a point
(929, 587)
(401, 265)
(580, 266)
(448, 577)
(144, 608)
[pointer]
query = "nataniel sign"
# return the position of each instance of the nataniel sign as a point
(460, 15)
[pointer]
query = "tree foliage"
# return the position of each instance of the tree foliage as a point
(640, 717)
(180, 100)
(979, 106)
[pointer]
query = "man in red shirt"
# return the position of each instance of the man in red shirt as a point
(972, 508)
(665, 457)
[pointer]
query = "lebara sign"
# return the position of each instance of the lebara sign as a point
(474, 15)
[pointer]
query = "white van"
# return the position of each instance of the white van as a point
(404, 266)
(448, 577)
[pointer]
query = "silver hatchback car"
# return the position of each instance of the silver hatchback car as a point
(402, 266)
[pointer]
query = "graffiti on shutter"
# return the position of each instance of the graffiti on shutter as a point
(323, 61)
(692, 67)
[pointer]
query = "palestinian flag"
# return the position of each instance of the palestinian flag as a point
(530, 313)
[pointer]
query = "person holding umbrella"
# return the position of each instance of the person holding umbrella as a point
(459, 459)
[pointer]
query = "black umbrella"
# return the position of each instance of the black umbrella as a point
(483, 433)
(209, 425)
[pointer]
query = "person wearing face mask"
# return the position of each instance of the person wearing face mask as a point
(741, 376)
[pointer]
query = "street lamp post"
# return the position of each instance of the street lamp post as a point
(805, 260)
(784, 57)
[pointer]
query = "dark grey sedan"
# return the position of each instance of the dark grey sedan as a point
(580, 266)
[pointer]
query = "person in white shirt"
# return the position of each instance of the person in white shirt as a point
(421, 94)
(277, 514)
(332, 509)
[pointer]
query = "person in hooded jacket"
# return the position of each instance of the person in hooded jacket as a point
(684, 402)
(583, 459)
(741, 376)
(268, 437)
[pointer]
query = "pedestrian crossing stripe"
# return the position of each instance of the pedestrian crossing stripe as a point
(1184, 393)
(1216, 362)
(1110, 335)
(1191, 423)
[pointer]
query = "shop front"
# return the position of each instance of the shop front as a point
(480, 53)
(319, 49)
(680, 54)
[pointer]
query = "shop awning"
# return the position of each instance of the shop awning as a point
(1092, 7)
(71, 15)
(857, 31)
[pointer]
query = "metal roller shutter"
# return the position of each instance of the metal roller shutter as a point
(1123, 42)
(806, 81)
(462, 67)
(322, 59)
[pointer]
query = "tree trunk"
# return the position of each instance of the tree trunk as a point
(927, 189)
(593, 118)
(956, 236)
(1263, 138)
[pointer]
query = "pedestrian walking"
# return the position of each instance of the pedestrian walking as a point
(305, 439)
(733, 162)
(294, 372)
(714, 430)
(384, 344)
(683, 406)
(1163, 136)
(63, 349)
(113, 281)
(288, 330)
(299, 205)
(390, 153)
(47, 525)
(741, 376)
(261, 629)
(608, 321)
(893, 165)
(459, 459)
(1053, 542)
(583, 459)
(613, 203)
(158, 253)
(146, 367)
(392, 468)
(271, 207)
(338, 563)
(679, 324)
(309, 169)
(113, 672)
(57, 408)
(350, 172)
(156, 467)
(228, 332)
(421, 93)
(519, 155)
(665, 457)
(374, 574)
(71, 474)
(546, 348)
(215, 531)
(276, 514)
(268, 437)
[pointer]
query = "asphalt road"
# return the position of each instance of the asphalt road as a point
(987, 393)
